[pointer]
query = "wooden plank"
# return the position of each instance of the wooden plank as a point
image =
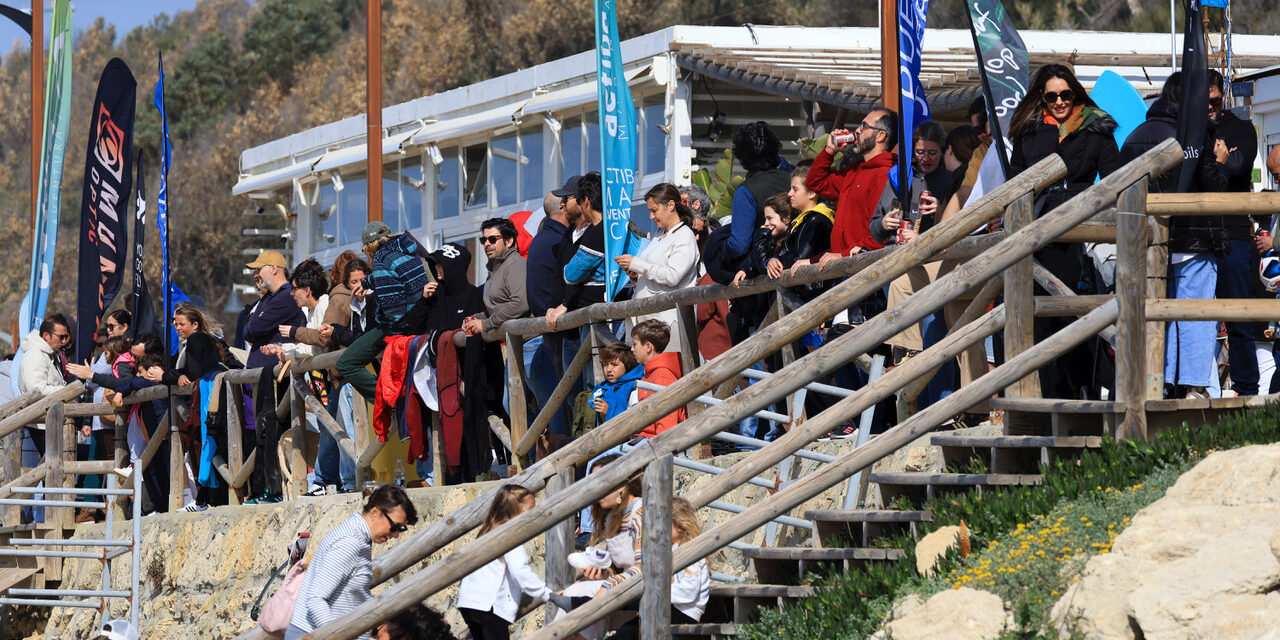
(14, 576)
(1075, 306)
(811, 554)
(360, 415)
(1054, 286)
(298, 419)
(1218, 204)
(1019, 297)
(33, 412)
(762, 591)
(1131, 328)
(28, 479)
(559, 540)
(1157, 288)
(704, 629)
(974, 310)
(655, 604)
(55, 446)
(1242, 310)
(233, 400)
(176, 462)
(516, 376)
(1185, 404)
(326, 421)
(867, 515)
(88, 467)
(558, 397)
(1055, 405)
(913, 478)
(1016, 442)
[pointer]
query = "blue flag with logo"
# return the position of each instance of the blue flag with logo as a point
(912, 106)
(617, 143)
(162, 208)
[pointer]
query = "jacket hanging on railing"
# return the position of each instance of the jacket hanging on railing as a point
(448, 375)
(411, 415)
(482, 385)
(213, 420)
(392, 378)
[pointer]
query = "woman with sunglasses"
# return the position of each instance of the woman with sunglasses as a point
(1057, 117)
(340, 574)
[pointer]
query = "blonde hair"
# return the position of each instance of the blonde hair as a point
(685, 520)
(632, 488)
(506, 505)
(372, 247)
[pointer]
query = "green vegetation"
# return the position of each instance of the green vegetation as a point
(1028, 542)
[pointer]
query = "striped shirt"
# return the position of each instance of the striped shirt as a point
(632, 522)
(339, 577)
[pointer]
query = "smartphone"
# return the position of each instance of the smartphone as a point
(895, 204)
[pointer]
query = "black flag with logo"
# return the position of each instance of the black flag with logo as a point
(144, 313)
(1193, 113)
(108, 178)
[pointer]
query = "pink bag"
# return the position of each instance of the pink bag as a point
(274, 618)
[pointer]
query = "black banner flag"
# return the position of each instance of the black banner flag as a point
(108, 177)
(1193, 113)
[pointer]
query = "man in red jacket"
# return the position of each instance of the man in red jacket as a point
(857, 181)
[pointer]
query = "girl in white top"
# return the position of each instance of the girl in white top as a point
(691, 586)
(670, 261)
(490, 597)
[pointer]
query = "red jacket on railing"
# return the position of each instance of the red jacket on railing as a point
(663, 369)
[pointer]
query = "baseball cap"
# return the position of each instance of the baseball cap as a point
(374, 231)
(590, 557)
(268, 257)
(570, 187)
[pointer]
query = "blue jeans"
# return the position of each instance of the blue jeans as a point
(1190, 346)
(538, 361)
(933, 329)
(1235, 279)
(343, 401)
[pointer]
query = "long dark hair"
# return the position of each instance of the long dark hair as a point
(1032, 106)
(666, 193)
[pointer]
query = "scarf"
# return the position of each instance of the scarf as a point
(1080, 116)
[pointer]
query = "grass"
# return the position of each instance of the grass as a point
(1028, 541)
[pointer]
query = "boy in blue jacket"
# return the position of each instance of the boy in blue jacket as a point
(618, 391)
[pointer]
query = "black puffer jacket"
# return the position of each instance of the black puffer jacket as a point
(1089, 152)
(1188, 234)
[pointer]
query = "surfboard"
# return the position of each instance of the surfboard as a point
(1121, 101)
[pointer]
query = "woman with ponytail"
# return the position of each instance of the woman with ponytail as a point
(670, 261)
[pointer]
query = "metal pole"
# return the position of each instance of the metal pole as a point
(373, 95)
(135, 568)
(37, 106)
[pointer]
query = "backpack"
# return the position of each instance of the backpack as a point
(715, 256)
(274, 618)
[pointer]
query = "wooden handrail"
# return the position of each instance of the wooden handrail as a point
(34, 413)
(1218, 204)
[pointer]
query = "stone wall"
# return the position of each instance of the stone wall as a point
(201, 572)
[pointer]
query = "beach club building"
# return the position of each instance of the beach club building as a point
(454, 159)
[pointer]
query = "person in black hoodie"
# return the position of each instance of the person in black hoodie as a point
(1194, 243)
(1237, 265)
(1057, 117)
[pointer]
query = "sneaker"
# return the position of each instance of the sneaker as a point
(1196, 393)
(316, 490)
(845, 430)
(195, 507)
(590, 557)
(265, 498)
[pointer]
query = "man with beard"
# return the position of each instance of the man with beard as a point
(857, 180)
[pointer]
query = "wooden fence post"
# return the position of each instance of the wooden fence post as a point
(515, 390)
(297, 454)
(559, 542)
(655, 604)
(234, 402)
(1131, 326)
(1157, 287)
(360, 414)
(55, 446)
(1020, 309)
(177, 464)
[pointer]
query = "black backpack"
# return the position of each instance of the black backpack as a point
(715, 257)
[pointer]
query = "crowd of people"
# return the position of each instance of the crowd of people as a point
(418, 338)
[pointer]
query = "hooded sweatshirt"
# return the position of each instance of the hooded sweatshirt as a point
(662, 369)
(617, 394)
(455, 298)
(397, 281)
(858, 191)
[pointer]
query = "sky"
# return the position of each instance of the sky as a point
(124, 14)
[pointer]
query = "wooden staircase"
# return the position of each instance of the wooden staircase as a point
(847, 540)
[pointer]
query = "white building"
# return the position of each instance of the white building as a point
(1263, 99)
(495, 147)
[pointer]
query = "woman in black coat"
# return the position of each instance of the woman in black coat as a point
(201, 352)
(1058, 117)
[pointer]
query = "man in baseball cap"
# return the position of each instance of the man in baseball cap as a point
(570, 187)
(268, 258)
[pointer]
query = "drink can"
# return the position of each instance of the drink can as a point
(925, 194)
(844, 138)
(1264, 233)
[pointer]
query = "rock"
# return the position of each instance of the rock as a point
(955, 614)
(934, 546)
(1201, 562)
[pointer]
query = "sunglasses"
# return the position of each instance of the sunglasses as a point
(490, 239)
(863, 125)
(925, 153)
(1216, 102)
(396, 527)
(62, 336)
(112, 325)
(1068, 96)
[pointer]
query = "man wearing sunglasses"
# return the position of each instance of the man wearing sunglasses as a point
(39, 371)
(504, 289)
(340, 575)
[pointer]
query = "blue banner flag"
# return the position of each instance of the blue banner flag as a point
(162, 207)
(617, 142)
(57, 119)
(912, 106)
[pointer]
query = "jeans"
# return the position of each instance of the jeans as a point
(346, 417)
(1190, 346)
(933, 329)
(327, 453)
(1235, 280)
(539, 357)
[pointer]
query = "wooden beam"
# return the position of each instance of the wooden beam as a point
(345, 445)
(559, 540)
(1227, 310)
(516, 376)
(176, 462)
(33, 412)
(655, 605)
(232, 400)
(1019, 292)
(1131, 327)
(1157, 288)
(558, 397)
(28, 479)
(1218, 204)
(1059, 306)
(297, 453)
(974, 310)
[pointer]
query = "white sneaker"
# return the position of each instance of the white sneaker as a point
(316, 491)
(590, 557)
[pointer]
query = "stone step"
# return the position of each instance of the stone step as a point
(838, 527)
(1055, 405)
(927, 484)
(1015, 442)
(710, 631)
(790, 565)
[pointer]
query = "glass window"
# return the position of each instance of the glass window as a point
(593, 143)
(353, 206)
(654, 140)
(531, 187)
(391, 196)
(571, 147)
(505, 160)
(448, 179)
(640, 218)
(411, 193)
(326, 210)
(476, 173)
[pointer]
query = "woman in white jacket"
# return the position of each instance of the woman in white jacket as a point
(670, 261)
